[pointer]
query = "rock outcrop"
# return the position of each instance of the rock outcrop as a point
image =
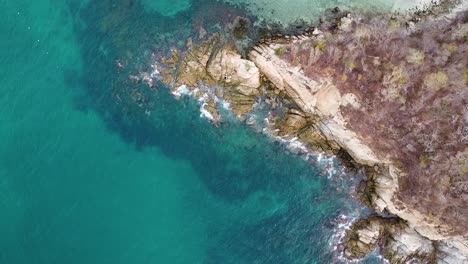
(221, 70)
(400, 243)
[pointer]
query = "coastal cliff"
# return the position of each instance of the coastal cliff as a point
(324, 92)
(390, 92)
(415, 237)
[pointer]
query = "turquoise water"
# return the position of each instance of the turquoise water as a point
(97, 169)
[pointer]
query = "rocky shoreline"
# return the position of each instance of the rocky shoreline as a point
(411, 236)
(313, 108)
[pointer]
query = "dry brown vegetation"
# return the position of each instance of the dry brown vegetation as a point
(412, 84)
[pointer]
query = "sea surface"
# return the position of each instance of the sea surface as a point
(95, 168)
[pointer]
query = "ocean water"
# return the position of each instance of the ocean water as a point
(97, 169)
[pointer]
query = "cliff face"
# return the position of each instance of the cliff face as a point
(318, 97)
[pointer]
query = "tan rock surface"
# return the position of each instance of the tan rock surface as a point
(230, 69)
(316, 97)
(213, 64)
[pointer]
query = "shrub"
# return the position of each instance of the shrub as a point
(436, 81)
(280, 50)
(319, 45)
(415, 56)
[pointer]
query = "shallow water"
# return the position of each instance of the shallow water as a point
(286, 11)
(97, 169)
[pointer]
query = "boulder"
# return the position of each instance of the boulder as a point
(399, 242)
(363, 237)
(229, 69)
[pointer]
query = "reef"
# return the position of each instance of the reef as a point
(386, 94)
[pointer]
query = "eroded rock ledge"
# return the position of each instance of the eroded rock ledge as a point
(312, 105)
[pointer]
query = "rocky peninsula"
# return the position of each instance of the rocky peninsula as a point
(386, 94)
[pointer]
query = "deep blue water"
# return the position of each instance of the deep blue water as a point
(88, 176)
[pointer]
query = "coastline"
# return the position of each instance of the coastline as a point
(416, 234)
(317, 104)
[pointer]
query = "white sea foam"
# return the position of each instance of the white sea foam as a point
(155, 73)
(205, 113)
(225, 104)
(344, 224)
(327, 163)
(181, 90)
